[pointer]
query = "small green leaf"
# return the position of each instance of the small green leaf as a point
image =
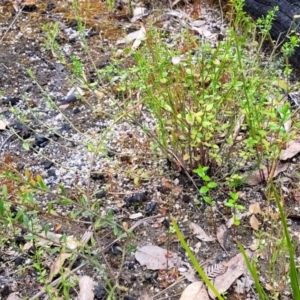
(4, 191)
(204, 189)
(25, 145)
(228, 204)
(1, 207)
(208, 200)
(212, 185)
(240, 207)
(206, 178)
(209, 107)
(25, 220)
(206, 124)
(66, 202)
(236, 222)
(190, 118)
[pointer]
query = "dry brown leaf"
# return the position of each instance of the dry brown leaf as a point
(136, 216)
(13, 296)
(235, 268)
(222, 232)
(195, 291)
(255, 178)
(200, 233)
(86, 286)
(134, 36)
(268, 287)
(100, 95)
(157, 258)
(190, 273)
(273, 215)
(29, 2)
(254, 246)
(254, 208)
(56, 266)
(64, 106)
(254, 223)
(145, 297)
(288, 125)
(54, 238)
(3, 124)
(202, 31)
(292, 149)
(138, 13)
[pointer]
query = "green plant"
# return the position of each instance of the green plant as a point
(51, 31)
(206, 188)
(284, 246)
(235, 207)
(194, 261)
(215, 106)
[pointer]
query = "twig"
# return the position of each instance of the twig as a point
(11, 24)
(172, 285)
(135, 225)
(5, 141)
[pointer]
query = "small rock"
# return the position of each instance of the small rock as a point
(163, 189)
(47, 164)
(186, 198)
(51, 172)
(97, 176)
(13, 211)
(20, 240)
(148, 275)
(127, 297)
(166, 223)
(69, 99)
(50, 6)
(76, 110)
(100, 291)
(131, 265)
(150, 207)
(65, 127)
(41, 140)
(11, 101)
(100, 194)
(54, 136)
(139, 197)
(114, 249)
(5, 291)
(20, 166)
(73, 23)
(19, 261)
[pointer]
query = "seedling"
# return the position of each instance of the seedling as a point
(205, 190)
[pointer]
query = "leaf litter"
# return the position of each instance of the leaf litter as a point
(157, 258)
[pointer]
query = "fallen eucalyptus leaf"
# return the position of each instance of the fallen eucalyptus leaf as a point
(200, 233)
(3, 124)
(254, 208)
(222, 233)
(195, 291)
(157, 258)
(255, 178)
(254, 223)
(56, 266)
(86, 287)
(292, 149)
(13, 296)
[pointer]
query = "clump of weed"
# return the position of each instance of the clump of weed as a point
(216, 106)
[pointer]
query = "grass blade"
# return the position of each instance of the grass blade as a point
(194, 261)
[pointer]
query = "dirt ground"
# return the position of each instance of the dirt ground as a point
(41, 110)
